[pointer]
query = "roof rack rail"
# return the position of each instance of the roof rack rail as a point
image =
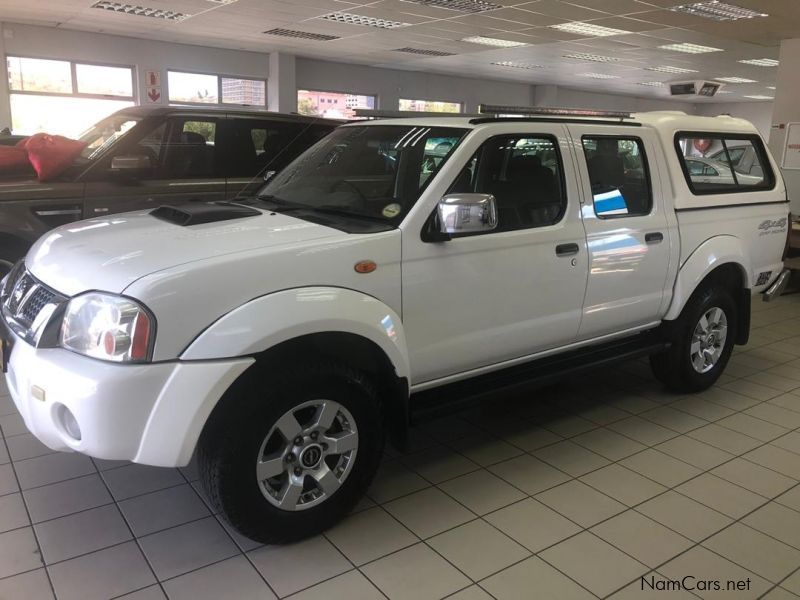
(545, 111)
(372, 113)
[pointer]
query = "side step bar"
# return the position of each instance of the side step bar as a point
(445, 399)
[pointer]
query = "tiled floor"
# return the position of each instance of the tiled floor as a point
(576, 491)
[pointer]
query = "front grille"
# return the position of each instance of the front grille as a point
(40, 298)
(24, 298)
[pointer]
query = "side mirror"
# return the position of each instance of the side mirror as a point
(131, 163)
(467, 213)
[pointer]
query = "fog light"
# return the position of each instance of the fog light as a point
(68, 422)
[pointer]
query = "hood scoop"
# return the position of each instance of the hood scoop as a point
(197, 214)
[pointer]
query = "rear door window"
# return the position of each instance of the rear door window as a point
(718, 164)
(618, 175)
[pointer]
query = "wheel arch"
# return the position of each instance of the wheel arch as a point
(723, 261)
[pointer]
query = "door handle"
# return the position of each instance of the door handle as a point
(567, 249)
(654, 238)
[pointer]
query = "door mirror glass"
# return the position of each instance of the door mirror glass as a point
(132, 163)
(467, 213)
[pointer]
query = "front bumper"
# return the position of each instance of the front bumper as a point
(148, 413)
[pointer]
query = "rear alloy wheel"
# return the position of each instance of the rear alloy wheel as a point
(307, 455)
(701, 341)
(289, 451)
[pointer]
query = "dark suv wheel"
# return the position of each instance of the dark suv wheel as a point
(288, 453)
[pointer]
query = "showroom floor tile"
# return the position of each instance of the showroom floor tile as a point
(593, 488)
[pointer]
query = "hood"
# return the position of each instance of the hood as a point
(111, 253)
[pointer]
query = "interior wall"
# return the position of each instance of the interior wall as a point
(570, 98)
(758, 113)
(144, 55)
(390, 85)
(787, 110)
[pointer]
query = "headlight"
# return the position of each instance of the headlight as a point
(107, 327)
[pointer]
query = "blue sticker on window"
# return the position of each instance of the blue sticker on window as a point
(610, 203)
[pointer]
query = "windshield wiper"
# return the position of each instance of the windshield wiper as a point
(332, 209)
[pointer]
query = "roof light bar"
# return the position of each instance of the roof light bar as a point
(497, 42)
(498, 109)
(467, 6)
(141, 11)
(690, 48)
(761, 62)
(352, 19)
(718, 11)
(588, 29)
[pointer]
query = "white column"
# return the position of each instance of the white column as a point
(787, 110)
(282, 83)
(5, 99)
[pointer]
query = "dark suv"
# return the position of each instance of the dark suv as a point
(144, 157)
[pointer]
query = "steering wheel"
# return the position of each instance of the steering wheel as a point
(361, 197)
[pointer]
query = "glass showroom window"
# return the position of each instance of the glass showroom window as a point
(332, 105)
(64, 97)
(431, 106)
(200, 88)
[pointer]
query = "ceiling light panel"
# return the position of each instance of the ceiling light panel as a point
(719, 11)
(599, 76)
(465, 6)
(771, 87)
(517, 65)
(588, 29)
(498, 43)
(651, 83)
(351, 19)
(423, 51)
(690, 48)
(760, 97)
(761, 62)
(669, 69)
(735, 80)
(592, 57)
(302, 35)
(222, 1)
(141, 11)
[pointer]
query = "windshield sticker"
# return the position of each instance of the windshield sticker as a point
(392, 210)
(610, 203)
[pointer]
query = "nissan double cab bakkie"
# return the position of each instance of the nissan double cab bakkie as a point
(395, 266)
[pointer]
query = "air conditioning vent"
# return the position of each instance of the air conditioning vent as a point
(467, 6)
(424, 51)
(141, 11)
(706, 89)
(351, 19)
(302, 35)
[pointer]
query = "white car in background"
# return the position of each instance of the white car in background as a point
(708, 171)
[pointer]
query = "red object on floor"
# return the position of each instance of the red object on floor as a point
(13, 158)
(50, 155)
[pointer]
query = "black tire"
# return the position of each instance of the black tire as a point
(674, 366)
(231, 441)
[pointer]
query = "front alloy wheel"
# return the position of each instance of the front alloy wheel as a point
(290, 449)
(307, 455)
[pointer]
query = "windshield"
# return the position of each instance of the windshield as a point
(106, 132)
(371, 171)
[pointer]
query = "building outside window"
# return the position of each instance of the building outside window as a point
(431, 106)
(64, 97)
(202, 88)
(332, 105)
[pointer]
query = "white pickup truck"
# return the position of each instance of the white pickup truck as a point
(395, 267)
